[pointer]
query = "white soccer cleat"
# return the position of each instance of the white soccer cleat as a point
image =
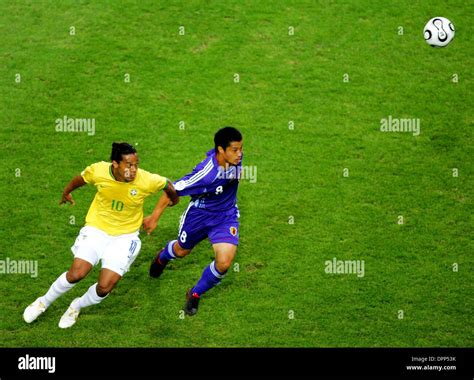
(69, 317)
(34, 310)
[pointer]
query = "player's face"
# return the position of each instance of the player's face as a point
(126, 170)
(233, 153)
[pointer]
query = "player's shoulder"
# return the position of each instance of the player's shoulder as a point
(147, 178)
(96, 172)
(145, 174)
(203, 174)
(207, 169)
(102, 164)
(98, 167)
(208, 157)
(206, 166)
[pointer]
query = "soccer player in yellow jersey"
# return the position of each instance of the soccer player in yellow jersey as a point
(111, 230)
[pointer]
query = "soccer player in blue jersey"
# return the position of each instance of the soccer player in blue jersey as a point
(212, 213)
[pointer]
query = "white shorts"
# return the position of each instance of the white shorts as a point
(116, 252)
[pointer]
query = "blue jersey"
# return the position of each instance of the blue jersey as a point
(210, 186)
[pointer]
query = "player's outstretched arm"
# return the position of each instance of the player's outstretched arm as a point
(168, 199)
(66, 196)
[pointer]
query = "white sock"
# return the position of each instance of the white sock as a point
(58, 288)
(89, 298)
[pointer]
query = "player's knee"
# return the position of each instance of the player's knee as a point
(104, 287)
(76, 274)
(223, 265)
(180, 252)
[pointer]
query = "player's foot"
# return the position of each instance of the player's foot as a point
(156, 267)
(69, 317)
(34, 310)
(192, 303)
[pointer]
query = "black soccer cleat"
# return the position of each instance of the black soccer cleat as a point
(192, 303)
(156, 267)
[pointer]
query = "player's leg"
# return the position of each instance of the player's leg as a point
(224, 239)
(93, 296)
(191, 231)
(171, 251)
(117, 258)
(85, 258)
(225, 254)
(211, 276)
(79, 269)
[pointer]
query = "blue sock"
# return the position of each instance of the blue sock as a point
(210, 278)
(167, 253)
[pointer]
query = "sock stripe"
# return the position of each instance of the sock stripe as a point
(170, 248)
(214, 270)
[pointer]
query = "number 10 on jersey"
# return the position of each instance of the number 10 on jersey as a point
(117, 205)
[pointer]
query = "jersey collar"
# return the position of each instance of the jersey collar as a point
(111, 173)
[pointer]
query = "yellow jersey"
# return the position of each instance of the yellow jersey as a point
(117, 207)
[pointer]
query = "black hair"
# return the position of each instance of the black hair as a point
(225, 136)
(119, 149)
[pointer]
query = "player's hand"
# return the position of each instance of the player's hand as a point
(149, 224)
(67, 198)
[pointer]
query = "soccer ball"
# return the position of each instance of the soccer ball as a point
(439, 32)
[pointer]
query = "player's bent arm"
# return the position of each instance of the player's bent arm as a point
(169, 198)
(170, 191)
(76, 182)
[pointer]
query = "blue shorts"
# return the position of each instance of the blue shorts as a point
(196, 224)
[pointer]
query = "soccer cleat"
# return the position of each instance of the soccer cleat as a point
(69, 318)
(34, 310)
(192, 303)
(156, 267)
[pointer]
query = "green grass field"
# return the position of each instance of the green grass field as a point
(417, 289)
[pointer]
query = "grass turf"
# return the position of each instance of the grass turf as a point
(281, 295)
